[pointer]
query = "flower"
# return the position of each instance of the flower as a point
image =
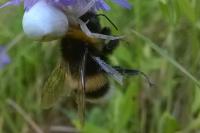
(99, 4)
(4, 58)
(47, 20)
(11, 2)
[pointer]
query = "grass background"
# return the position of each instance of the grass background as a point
(162, 40)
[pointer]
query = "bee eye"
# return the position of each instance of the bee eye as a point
(44, 22)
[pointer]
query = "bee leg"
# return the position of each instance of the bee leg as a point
(110, 45)
(128, 72)
(84, 28)
(133, 72)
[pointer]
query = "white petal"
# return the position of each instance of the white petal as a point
(44, 22)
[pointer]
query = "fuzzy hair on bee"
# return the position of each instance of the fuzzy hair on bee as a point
(84, 68)
(72, 49)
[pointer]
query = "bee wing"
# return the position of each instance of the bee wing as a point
(81, 91)
(53, 89)
(109, 70)
(81, 105)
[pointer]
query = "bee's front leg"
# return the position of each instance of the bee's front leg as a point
(110, 45)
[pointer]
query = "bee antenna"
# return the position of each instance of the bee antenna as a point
(108, 20)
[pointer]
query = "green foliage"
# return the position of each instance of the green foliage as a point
(162, 40)
(168, 124)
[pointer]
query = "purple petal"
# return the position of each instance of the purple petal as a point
(29, 3)
(123, 3)
(4, 58)
(11, 2)
(100, 4)
(67, 2)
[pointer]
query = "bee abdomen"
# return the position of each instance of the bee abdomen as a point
(98, 92)
(97, 87)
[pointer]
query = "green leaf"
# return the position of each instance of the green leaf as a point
(167, 57)
(187, 9)
(196, 101)
(91, 128)
(167, 124)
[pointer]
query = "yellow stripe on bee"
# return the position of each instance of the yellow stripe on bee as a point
(76, 33)
(93, 82)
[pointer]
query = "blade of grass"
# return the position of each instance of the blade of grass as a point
(26, 117)
(15, 41)
(166, 56)
(65, 129)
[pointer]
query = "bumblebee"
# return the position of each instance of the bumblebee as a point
(84, 68)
